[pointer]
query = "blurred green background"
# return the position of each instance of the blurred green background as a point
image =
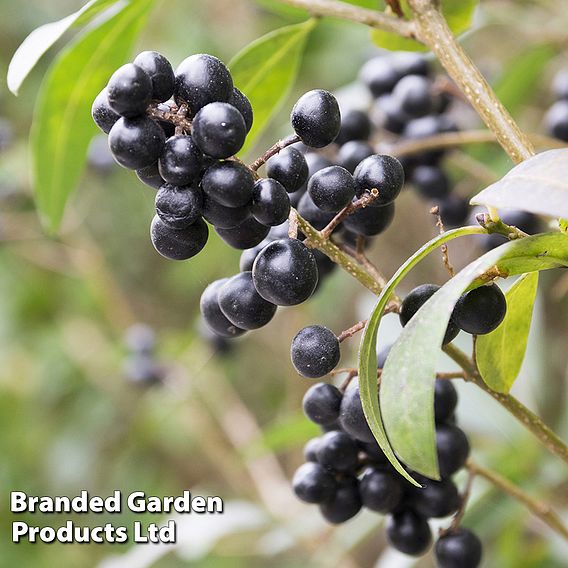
(230, 424)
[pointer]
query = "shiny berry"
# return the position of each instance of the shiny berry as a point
(415, 96)
(338, 451)
(242, 104)
(129, 90)
(460, 548)
(228, 183)
(379, 75)
(380, 490)
(179, 207)
(352, 153)
(150, 176)
(345, 504)
(445, 400)
(222, 217)
(384, 173)
(312, 213)
(315, 351)
(160, 71)
(285, 272)
(321, 403)
(453, 449)
(181, 161)
(481, 310)
(351, 416)
(316, 118)
(311, 448)
(270, 202)
(332, 188)
(244, 235)
(436, 499)
(370, 221)
(178, 244)
(289, 167)
(101, 112)
(409, 533)
(312, 483)
(431, 182)
(355, 125)
(212, 314)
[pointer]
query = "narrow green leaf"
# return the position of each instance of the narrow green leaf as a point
(62, 126)
(367, 350)
(458, 13)
(537, 185)
(516, 85)
(266, 69)
(407, 381)
(41, 39)
(500, 354)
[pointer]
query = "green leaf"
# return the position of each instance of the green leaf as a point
(500, 353)
(537, 185)
(407, 381)
(458, 13)
(367, 350)
(516, 84)
(62, 126)
(41, 39)
(266, 69)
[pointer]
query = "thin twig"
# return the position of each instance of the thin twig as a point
(444, 248)
(350, 376)
(351, 331)
(360, 203)
(273, 150)
(541, 510)
(464, 500)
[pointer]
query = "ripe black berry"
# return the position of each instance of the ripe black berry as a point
(228, 183)
(179, 207)
(445, 400)
(345, 504)
(436, 499)
(380, 490)
(370, 221)
(379, 75)
(352, 153)
(431, 182)
(481, 310)
(313, 484)
(160, 71)
(248, 256)
(556, 120)
(312, 213)
(316, 118)
(453, 210)
(178, 244)
(181, 161)
(338, 451)
(136, 142)
(460, 548)
(332, 188)
(270, 202)
(222, 217)
(150, 176)
(289, 167)
(219, 130)
(244, 235)
(409, 533)
(392, 118)
(355, 125)
(352, 418)
(315, 351)
(129, 90)
(241, 304)
(310, 450)
(285, 272)
(202, 79)
(410, 63)
(101, 112)
(212, 314)
(321, 403)
(453, 449)
(384, 173)
(414, 94)
(415, 300)
(242, 104)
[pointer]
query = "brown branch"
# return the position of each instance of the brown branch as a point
(360, 203)
(351, 331)
(172, 116)
(273, 150)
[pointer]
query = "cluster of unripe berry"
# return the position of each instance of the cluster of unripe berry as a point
(346, 470)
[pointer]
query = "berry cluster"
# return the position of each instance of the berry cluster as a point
(346, 470)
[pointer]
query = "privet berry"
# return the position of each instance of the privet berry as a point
(160, 71)
(316, 118)
(321, 403)
(179, 207)
(332, 188)
(338, 451)
(270, 202)
(460, 548)
(228, 183)
(431, 182)
(384, 173)
(355, 125)
(352, 153)
(481, 310)
(178, 244)
(289, 167)
(242, 104)
(436, 499)
(129, 91)
(103, 115)
(380, 490)
(345, 503)
(453, 449)
(351, 415)
(285, 272)
(445, 400)
(370, 221)
(244, 235)
(212, 314)
(409, 533)
(181, 160)
(315, 351)
(222, 217)
(312, 483)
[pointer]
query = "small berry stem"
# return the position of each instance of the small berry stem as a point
(172, 116)
(464, 500)
(346, 334)
(444, 248)
(293, 224)
(273, 150)
(541, 510)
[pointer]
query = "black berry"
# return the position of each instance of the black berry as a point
(338, 451)
(160, 71)
(136, 142)
(289, 167)
(321, 403)
(409, 533)
(179, 207)
(453, 210)
(410, 63)
(316, 118)
(129, 91)
(222, 217)
(212, 314)
(556, 120)
(436, 499)
(248, 256)
(415, 300)
(380, 490)
(202, 79)
(228, 183)
(384, 173)
(270, 202)
(314, 484)
(460, 548)
(431, 182)
(312, 213)
(345, 504)
(445, 400)
(453, 449)
(150, 176)
(219, 130)
(370, 221)
(101, 112)
(241, 304)
(379, 75)
(181, 161)
(285, 272)
(352, 153)
(315, 351)
(178, 244)
(355, 125)
(310, 449)
(244, 235)
(414, 94)
(352, 418)
(242, 104)
(332, 188)
(481, 310)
